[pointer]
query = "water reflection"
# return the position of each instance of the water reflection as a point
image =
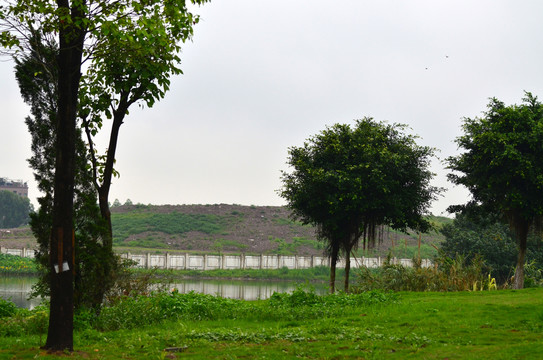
(17, 289)
(246, 290)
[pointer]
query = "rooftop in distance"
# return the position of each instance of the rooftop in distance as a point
(17, 186)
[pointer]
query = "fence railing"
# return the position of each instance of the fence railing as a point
(24, 252)
(210, 262)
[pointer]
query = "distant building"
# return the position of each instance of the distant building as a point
(17, 186)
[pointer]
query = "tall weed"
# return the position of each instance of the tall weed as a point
(447, 274)
(20, 322)
(7, 308)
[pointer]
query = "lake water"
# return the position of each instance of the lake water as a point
(18, 288)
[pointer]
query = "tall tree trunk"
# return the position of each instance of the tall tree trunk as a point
(333, 263)
(521, 232)
(103, 192)
(61, 260)
(347, 269)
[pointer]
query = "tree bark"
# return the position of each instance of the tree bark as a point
(103, 192)
(333, 263)
(347, 269)
(61, 260)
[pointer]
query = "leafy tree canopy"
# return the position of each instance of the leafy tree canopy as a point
(502, 166)
(14, 209)
(348, 180)
(129, 48)
(371, 174)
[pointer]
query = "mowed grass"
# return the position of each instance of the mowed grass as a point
(504, 324)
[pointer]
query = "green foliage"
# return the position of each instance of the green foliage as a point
(7, 308)
(284, 248)
(127, 224)
(348, 181)
(37, 76)
(503, 160)
(501, 325)
(534, 275)
(318, 273)
(126, 312)
(128, 282)
(483, 236)
(411, 251)
(301, 298)
(131, 48)
(502, 167)
(439, 221)
(284, 221)
(22, 322)
(449, 274)
(16, 265)
(221, 244)
(14, 210)
(371, 171)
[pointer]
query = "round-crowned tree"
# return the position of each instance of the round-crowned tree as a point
(348, 180)
(502, 167)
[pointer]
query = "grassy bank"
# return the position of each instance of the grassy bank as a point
(463, 325)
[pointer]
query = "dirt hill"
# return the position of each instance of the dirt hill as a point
(222, 228)
(237, 228)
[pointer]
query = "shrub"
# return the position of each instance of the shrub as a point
(127, 312)
(447, 275)
(22, 321)
(7, 308)
(11, 264)
(533, 275)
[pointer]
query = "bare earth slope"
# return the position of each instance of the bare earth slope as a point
(226, 229)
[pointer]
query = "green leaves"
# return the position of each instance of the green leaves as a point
(503, 159)
(350, 179)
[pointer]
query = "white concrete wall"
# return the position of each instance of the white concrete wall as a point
(28, 253)
(210, 262)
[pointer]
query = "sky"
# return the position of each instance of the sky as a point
(261, 76)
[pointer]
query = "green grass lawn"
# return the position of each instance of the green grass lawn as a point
(504, 324)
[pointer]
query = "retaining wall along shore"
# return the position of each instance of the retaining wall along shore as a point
(210, 262)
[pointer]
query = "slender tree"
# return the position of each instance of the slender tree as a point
(37, 73)
(91, 28)
(350, 180)
(502, 167)
(132, 69)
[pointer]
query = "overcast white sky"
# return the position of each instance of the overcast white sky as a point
(262, 75)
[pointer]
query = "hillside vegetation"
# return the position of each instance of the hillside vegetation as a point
(222, 228)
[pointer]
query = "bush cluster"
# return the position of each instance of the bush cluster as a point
(16, 265)
(129, 312)
(15, 321)
(447, 274)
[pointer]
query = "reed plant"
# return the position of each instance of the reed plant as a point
(447, 274)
